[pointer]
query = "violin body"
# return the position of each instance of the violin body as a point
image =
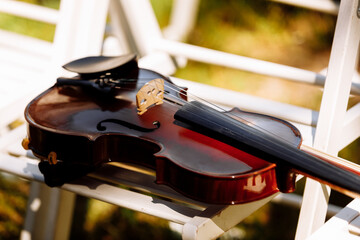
(86, 128)
(226, 157)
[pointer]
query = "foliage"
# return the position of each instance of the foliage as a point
(13, 200)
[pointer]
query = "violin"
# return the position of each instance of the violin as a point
(114, 111)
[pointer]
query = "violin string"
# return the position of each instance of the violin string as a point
(218, 108)
(186, 94)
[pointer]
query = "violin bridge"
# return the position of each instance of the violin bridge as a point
(152, 93)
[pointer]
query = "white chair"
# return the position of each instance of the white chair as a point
(136, 30)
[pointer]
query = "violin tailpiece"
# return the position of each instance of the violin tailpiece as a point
(152, 93)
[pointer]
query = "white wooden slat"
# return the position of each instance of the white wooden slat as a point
(14, 96)
(158, 62)
(140, 181)
(25, 44)
(327, 6)
(340, 73)
(210, 56)
(304, 119)
(132, 200)
(13, 138)
(22, 58)
(31, 11)
(294, 200)
(354, 226)
(307, 133)
(351, 128)
(21, 166)
(246, 102)
(216, 220)
(182, 19)
(123, 42)
(216, 57)
(142, 29)
(16, 75)
(23, 61)
(22, 72)
(337, 228)
(10, 113)
(144, 33)
(79, 32)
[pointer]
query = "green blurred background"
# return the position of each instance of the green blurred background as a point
(253, 28)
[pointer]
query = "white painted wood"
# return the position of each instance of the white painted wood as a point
(313, 208)
(140, 179)
(340, 72)
(230, 98)
(351, 128)
(25, 45)
(354, 226)
(216, 220)
(31, 11)
(124, 42)
(332, 112)
(295, 200)
(182, 19)
(144, 30)
(326, 6)
(237, 62)
(158, 62)
(142, 24)
(210, 56)
(79, 32)
(22, 72)
(339, 227)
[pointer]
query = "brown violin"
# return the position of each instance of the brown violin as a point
(114, 111)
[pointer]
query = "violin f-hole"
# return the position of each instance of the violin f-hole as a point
(101, 127)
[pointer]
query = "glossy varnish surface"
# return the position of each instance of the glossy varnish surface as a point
(86, 127)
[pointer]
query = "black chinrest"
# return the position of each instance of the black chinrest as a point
(90, 67)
